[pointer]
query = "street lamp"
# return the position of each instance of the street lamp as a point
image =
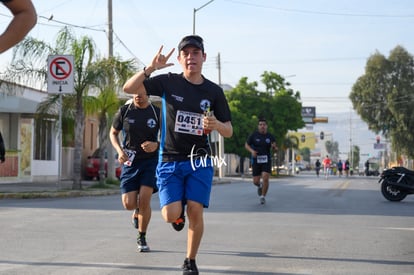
(194, 13)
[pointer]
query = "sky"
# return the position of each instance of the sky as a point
(319, 46)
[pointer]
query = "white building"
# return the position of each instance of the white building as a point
(27, 158)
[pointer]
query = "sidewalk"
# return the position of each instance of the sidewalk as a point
(64, 189)
(53, 189)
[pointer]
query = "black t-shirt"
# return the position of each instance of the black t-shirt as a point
(183, 107)
(138, 125)
(261, 143)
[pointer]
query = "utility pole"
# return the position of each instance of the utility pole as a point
(109, 148)
(351, 158)
(219, 68)
(110, 30)
(196, 10)
(220, 137)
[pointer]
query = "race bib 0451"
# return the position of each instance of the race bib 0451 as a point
(189, 123)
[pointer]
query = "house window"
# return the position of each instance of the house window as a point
(44, 140)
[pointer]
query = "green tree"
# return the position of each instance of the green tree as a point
(355, 156)
(242, 98)
(279, 105)
(109, 76)
(290, 142)
(282, 106)
(332, 148)
(281, 109)
(305, 152)
(384, 97)
(29, 65)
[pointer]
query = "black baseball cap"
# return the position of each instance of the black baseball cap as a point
(193, 40)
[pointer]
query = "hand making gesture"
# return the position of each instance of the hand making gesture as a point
(160, 61)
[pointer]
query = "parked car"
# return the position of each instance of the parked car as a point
(93, 163)
(301, 166)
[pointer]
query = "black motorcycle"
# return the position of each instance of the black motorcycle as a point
(396, 183)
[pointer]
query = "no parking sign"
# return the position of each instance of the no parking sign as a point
(60, 74)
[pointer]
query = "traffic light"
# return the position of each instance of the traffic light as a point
(322, 135)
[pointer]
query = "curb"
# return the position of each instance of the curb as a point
(58, 194)
(74, 193)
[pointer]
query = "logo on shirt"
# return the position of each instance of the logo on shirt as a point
(205, 105)
(151, 123)
(178, 98)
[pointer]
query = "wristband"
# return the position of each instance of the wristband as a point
(145, 73)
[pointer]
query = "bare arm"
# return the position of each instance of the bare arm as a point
(210, 122)
(225, 129)
(135, 83)
(150, 146)
(24, 19)
(250, 149)
(113, 136)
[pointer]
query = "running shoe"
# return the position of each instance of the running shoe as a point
(142, 244)
(135, 218)
(189, 267)
(262, 200)
(178, 225)
(259, 189)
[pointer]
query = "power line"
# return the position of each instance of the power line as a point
(91, 29)
(128, 50)
(71, 25)
(293, 61)
(325, 98)
(323, 12)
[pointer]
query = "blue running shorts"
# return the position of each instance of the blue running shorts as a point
(185, 180)
(141, 172)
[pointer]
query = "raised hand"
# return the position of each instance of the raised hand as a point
(160, 61)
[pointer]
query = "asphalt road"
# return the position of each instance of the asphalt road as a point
(307, 226)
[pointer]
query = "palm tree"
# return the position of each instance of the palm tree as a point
(110, 75)
(29, 66)
(290, 142)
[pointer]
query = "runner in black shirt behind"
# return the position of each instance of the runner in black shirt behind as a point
(259, 144)
(138, 154)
